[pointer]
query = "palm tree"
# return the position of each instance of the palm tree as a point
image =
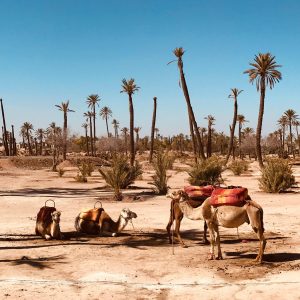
(264, 73)
(27, 129)
(234, 95)
(283, 122)
(115, 124)
(92, 101)
(105, 113)
(14, 140)
(89, 115)
(4, 128)
(241, 120)
(129, 87)
(137, 130)
(125, 132)
(85, 126)
(54, 133)
(210, 120)
(179, 53)
(152, 128)
(291, 118)
(297, 124)
(64, 107)
(40, 134)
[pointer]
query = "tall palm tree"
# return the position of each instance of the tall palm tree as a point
(179, 53)
(264, 73)
(152, 128)
(27, 128)
(89, 115)
(283, 122)
(115, 124)
(92, 101)
(129, 87)
(211, 121)
(4, 128)
(105, 113)
(14, 140)
(85, 126)
(234, 95)
(125, 133)
(40, 134)
(241, 120)
(64, 107)
(291, 118)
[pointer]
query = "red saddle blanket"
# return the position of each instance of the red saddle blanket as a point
(199, 192)
(234, 196)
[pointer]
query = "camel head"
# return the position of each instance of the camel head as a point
(178, 195)
(56, 216)
(127, 214)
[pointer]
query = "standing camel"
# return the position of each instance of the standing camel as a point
(229, 217)
(177, 211)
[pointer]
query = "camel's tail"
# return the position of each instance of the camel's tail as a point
(261, 213)
(76, 224)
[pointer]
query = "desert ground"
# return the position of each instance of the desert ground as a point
(140, 263)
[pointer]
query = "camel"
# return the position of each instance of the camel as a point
(47, 223)
(96, 221)
(177, 211)
(229, 217)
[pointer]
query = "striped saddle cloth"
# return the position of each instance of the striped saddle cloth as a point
(235, 196)
(199, 192)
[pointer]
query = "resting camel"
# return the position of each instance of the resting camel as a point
(229, 217)
(97, 221)
(47, 223)
(177, 212)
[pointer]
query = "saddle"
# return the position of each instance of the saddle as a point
(44, 214)
(235, 196)
(91, 214)
(199, 192)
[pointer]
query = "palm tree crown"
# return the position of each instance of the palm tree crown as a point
(264, 71)
(105, 112)
(64, 107)
(129, 86)
(92, 100)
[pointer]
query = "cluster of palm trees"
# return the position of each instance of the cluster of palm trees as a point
(264, 72)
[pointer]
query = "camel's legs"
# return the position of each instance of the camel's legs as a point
(262, 245)
(216, 229)
(212, 239)
(171, 220)
(177, 227)
(205, 241)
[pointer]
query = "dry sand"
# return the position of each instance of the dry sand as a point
(140, 264)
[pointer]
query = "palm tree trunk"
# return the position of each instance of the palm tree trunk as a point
(87, 142)
(152, 128)
(208, 150)
(126, 143)
(232, 129)
(65, 136)
(28, 141)
(94, 139)
(41, 144)
(36, 147)
(4, 128)
(190, 110)
(291, 140)
(14, 140)
(91, 136)
(193, 139)
(259, 123)
(283, 138)
(240, 140)
(131, 133)
(107, 126)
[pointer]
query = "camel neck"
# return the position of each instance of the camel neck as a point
(190, 212)
(121, 223)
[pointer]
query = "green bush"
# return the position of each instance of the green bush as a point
(86, 168)
(239, 166)
(277, 176)
(161, 163)
(208, 171)
(120, 174)
(80, 178)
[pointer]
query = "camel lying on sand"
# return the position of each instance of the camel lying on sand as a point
(47, 223)
(97, 221)
(229, 217)
(177, 211)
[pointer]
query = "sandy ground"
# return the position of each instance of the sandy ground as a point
(140, 263)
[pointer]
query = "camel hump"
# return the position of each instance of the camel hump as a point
(44, 215)
(91, 214)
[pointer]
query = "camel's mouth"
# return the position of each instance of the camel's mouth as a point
(132, 215)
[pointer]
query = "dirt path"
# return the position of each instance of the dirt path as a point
(139, 264)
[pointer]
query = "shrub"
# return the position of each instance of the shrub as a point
(238, 167)
(120, 174)
(61, 172)
(80, 178)
(86, 168)
(161, 163)
(206, 172)
(277, 176)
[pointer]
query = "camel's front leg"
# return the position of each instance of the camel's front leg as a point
(48, 237)
(216, 229)
(262, 246)
(205, 240)
(177, 227)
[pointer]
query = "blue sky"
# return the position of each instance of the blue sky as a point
(51, 51)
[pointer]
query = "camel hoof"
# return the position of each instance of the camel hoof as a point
(219, 258)
(205, 242)
(211, 257)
